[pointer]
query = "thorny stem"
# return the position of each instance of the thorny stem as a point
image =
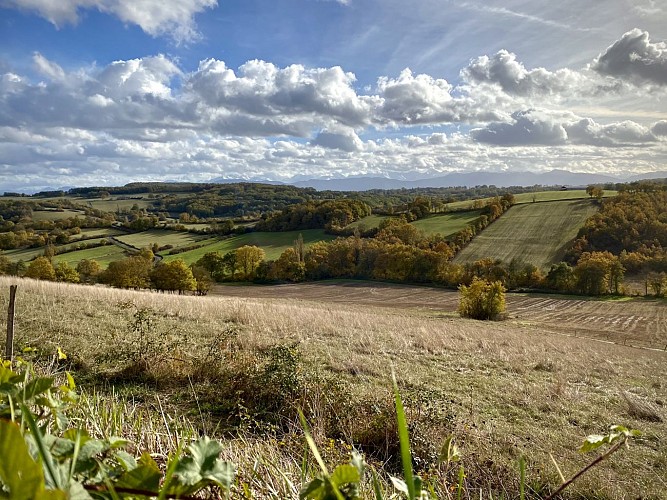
(599, 459)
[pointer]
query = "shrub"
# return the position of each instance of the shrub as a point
(482, 299)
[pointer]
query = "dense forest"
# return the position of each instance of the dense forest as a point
(632, 225)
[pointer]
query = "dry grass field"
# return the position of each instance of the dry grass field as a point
(503, 389)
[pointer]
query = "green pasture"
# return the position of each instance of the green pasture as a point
(103, 255)
(272, 243)
(27, 254)
(53, 215)
(446, 224)
(162, 237)
(570, 194)
(535, 233)
(114, 204)
(95, 232)
(370, 222)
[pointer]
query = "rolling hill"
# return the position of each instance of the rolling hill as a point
(533, 233)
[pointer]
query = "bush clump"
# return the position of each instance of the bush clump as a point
(482, 299)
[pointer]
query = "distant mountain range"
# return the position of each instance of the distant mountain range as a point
(469, 179)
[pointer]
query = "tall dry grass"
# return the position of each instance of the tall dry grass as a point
(503, 391)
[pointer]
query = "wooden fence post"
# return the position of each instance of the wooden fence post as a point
(9, 347)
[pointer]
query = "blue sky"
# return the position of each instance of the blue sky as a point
(100, 92)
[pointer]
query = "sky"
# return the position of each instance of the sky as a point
(106, 92)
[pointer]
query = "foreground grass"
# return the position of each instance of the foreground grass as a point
(533, 233)
(502, 391)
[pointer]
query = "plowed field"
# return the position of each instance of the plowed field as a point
(637, 322)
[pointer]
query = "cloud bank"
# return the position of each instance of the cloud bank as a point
(147, 118)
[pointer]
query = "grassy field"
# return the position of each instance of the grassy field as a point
(502, 390)
(27, 254)
(535, 233)
(53, 215)
(272, 243)
(162, 237)
(103, 255)
(570, 194)
(370, 222)
(94, 232)
(114, 204)
(446, 224)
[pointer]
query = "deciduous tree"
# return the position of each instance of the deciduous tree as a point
(482, 299)
(41, 269)
(66, 273)
(248, 259)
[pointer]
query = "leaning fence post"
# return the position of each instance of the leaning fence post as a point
(9, 346)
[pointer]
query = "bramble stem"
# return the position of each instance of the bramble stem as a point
(585, 469)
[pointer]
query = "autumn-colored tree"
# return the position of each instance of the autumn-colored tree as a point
(289, 266)
(203, 279)
(88, 270)
(214, 263)
(560, 277)
(131, 272)
(66, 273)
(173, 276)
(248, 259)
(41, 269)
(657, 282)
(397, 229)
(482, 299)
(597, 273)
(316, 261)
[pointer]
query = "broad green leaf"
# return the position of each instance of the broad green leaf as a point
(59, 447)
(89, 450)
(146, 475)
(21, 475)
(345, 474)
(126, 460)
(117, 442)
(77, 492)
(314, 490)
(36, 387)
(203, 466)
(7, 375)
(593, 443)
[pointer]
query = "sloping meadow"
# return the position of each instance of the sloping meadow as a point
(240, 369)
